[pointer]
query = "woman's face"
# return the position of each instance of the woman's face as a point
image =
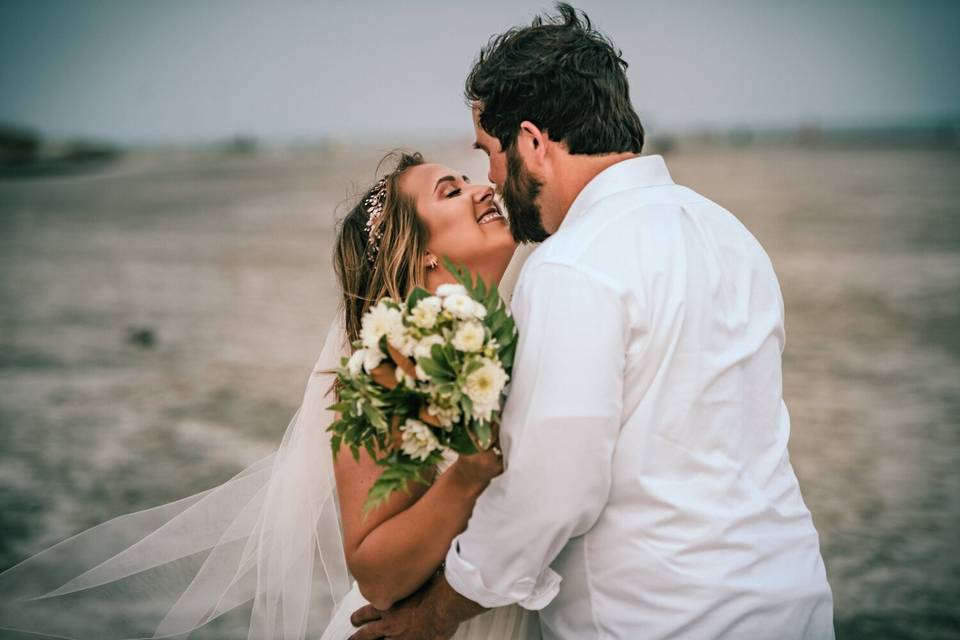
(463, 221)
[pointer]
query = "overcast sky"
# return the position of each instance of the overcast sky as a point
(179, 70)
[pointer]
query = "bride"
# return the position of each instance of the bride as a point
(282, 549)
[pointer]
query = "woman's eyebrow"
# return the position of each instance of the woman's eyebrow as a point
(449, 179)
(444, 179)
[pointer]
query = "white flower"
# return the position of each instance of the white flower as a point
(469, 337)
(404, 378)
(446, 417)
(355, 364)
(372, 359)
(459, 304)
(417, 440)
(424, 315)
(479, 311)
(445, 290)
(421, 374)
(402, 342)
(378, 322)
(492, 347)
(483, 387)
(423, 348)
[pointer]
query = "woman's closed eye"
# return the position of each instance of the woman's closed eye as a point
(453, 193)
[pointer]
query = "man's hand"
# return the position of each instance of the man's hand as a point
(433, 613)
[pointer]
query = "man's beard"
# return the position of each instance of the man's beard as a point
(519, 193)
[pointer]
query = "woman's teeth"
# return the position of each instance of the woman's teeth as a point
(489, 217)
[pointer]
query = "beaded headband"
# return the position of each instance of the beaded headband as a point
(373, 205)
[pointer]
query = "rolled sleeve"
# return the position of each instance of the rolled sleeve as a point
(559, 430)
(530, 594)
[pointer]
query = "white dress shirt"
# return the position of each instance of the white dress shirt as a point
(647, 491)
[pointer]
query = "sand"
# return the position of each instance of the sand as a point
(159, 317)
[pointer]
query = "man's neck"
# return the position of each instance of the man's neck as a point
(577, 172)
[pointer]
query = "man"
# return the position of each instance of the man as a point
(647, 491)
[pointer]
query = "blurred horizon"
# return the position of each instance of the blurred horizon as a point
(185, 74)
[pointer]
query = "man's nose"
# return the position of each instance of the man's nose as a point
(482, 193)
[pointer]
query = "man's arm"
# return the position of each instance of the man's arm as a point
(558, 433)
(559, 430)
(434, 613)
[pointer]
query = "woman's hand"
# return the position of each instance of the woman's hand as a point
(479, 469)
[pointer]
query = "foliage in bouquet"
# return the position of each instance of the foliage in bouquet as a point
(427, 376)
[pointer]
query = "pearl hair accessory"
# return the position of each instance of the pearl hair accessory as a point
(373, 205)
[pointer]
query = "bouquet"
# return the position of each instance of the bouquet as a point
(427, 376)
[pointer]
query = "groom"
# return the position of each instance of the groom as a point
(647, 492)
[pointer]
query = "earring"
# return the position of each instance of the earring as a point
(432, 262)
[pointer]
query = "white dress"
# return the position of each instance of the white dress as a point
(504, 623)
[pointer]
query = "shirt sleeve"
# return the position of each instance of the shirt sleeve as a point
(558, 430)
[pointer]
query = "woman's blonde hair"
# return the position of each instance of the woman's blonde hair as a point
(396, 266)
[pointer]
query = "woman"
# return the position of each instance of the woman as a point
(267, 553)
(427, 211)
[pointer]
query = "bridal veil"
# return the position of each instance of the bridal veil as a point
(260, 555)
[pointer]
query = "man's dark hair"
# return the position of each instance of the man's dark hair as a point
(562, 75)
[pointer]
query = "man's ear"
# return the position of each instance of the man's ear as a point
(532, 142)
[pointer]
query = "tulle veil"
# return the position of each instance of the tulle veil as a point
(259, 555)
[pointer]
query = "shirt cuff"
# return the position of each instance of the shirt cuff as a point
(465, 578)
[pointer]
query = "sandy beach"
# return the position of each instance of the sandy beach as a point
(159, 317)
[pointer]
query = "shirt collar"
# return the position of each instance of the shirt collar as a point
(639, 172)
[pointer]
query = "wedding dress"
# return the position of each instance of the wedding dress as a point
(506, 623)
(260, 556)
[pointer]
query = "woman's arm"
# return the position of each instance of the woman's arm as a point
(394, 549)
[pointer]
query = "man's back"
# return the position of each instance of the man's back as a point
(646, 410)
(704, 533)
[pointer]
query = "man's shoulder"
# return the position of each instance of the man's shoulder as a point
(551, 264)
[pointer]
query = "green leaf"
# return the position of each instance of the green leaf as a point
(399, 472)
(416, 296)
(493, 299)
(461, 443)
(434, 369)
(376, 417)
(341, 407)
(480, 291)
(460, 274)
(506, 356)
(467, 405)
(484, 435)
(472, 365)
